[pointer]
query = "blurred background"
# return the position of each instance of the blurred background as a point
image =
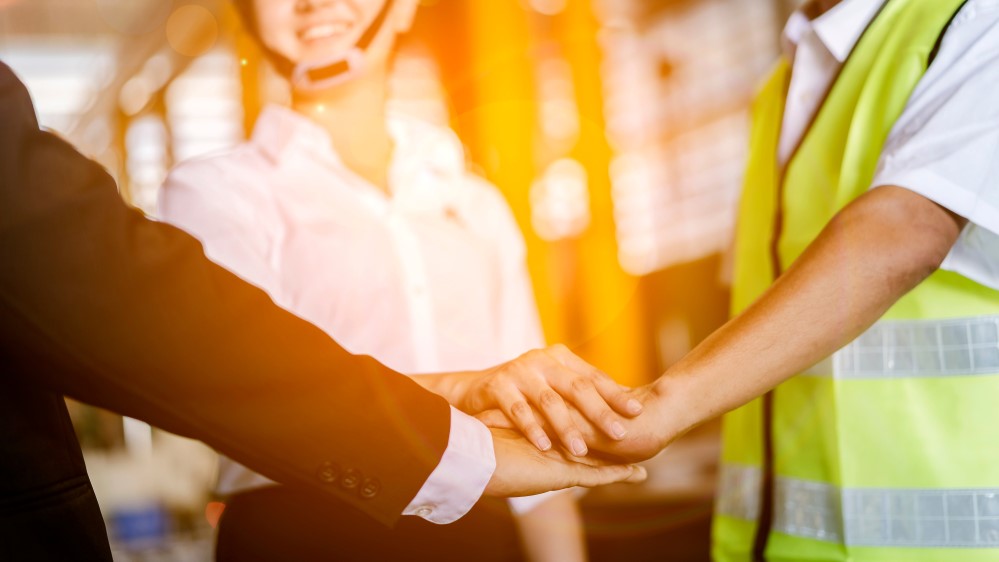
(615, 128)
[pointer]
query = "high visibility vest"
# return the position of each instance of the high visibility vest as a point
(888, 450)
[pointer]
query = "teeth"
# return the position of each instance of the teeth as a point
(325, 30)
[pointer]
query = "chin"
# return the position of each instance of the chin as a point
(324, 49)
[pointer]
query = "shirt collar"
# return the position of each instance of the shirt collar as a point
(838, 29)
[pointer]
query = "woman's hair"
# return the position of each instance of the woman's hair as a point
(247, 12)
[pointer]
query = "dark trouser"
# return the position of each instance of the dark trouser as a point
(279, 524)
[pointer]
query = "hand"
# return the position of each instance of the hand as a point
(522, 470)
(541, 381)
(664, 420)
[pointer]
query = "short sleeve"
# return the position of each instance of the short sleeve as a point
(945, 146)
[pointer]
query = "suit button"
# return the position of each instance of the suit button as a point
(370, 488)
(328, 472)
(351, 479)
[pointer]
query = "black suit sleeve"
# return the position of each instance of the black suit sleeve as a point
(106, 306)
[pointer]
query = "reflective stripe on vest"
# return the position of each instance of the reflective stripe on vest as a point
(918, 348)
(936, 518)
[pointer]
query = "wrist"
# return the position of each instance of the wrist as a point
(678, 404)
(450, 386)
(462, 390)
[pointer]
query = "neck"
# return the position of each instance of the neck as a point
(353, 115)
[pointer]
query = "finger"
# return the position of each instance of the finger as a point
(614, 394)
(587, 400)
(618, 396)
(495, 419)
(591, 476)
(557, 414)
(514, 405)
(638, 475)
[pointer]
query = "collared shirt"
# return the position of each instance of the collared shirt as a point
(945, 145)
(431, 278)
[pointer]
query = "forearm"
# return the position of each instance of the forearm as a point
(868, 257)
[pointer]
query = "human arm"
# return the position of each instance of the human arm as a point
(104, 305)
(943, 150)
(871, 254)
(101, 304)
(233, 215)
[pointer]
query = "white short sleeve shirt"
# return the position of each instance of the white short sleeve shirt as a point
(945, 145)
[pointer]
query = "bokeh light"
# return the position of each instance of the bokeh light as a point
(192, 30)
(134, 17)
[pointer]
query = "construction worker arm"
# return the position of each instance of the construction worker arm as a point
(868, 256)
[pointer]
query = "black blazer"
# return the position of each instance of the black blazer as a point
(103, 305)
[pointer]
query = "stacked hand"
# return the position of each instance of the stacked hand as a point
(521, 469)
(541, 388)
(646, 435)
(553, 395)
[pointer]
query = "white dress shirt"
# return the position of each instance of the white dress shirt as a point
(430, 279)
(945, 145)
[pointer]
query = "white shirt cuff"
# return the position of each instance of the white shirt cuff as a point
(460, 478)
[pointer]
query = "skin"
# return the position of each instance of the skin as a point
(872, 253)
(353, 115)
(533, 391)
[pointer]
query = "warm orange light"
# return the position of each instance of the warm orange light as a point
(192, 30)
(213, 512)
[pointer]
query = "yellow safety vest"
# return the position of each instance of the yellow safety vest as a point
(889, 450)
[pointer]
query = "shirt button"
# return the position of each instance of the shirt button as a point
(425, 511)
(351, 479)
(328, 472)
(370, 488)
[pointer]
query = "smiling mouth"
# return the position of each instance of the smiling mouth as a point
(324, 31)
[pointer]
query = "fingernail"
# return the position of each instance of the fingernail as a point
(544, 443)
(578, 447)
(618, 430)
(634, 406)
